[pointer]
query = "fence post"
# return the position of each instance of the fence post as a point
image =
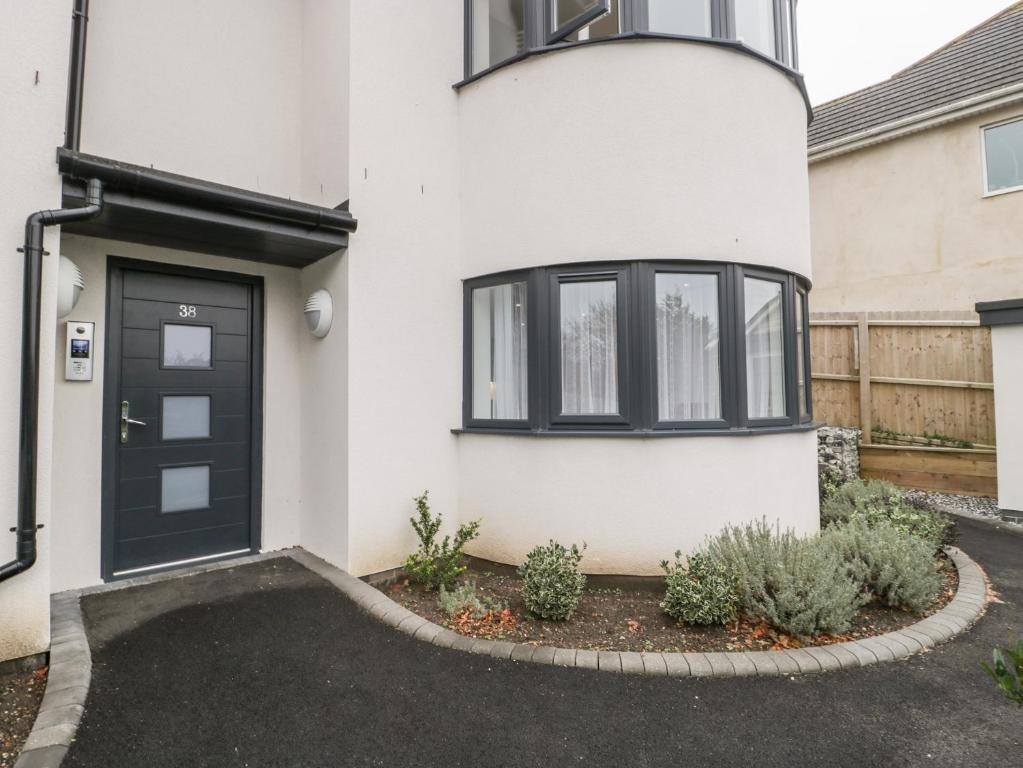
(866, 406)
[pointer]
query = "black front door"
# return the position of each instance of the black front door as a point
(182, 416)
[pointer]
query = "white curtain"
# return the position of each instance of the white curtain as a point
(500, 385)
(589, 348)
(765, 349)
(688, 362)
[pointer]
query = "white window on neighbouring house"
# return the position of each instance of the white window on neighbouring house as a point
(1003, 157)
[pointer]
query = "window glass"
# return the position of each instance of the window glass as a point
(499, 352)
(185, 417)
(765, 349)
(754, 24)
(604, 26)
(790, 37)
(187, 346)
(1003, 148)
(567, 10)
(680, 17)
(183, 488)
(688, 348)
(801, 330)
(498, 32)
(589, 347)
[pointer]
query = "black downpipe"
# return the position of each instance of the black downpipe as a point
(26, 548)
(76, 76)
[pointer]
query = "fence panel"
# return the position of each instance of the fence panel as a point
(927, 383)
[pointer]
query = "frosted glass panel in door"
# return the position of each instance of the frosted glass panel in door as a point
(187, 346)
(185, 416)
(183, 488)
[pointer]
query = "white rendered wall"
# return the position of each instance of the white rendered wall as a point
(324, 424)
(634, 150)
(33, 78)
(404, 306)
(77, 434)
(632, 501)
(250, 94)
(1007, 354)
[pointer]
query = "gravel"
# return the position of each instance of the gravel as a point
(970, 506)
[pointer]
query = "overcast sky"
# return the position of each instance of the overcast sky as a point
(845, 45)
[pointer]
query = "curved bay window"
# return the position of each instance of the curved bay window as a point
(642, 346)
(498, 31)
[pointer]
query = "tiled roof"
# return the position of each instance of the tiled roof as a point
(985, 59)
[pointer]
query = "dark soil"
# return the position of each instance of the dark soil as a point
(622, 619)
(20, 694)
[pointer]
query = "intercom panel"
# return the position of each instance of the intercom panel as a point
(81, 348)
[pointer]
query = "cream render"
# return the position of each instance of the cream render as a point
(905, 225)
(608, 152)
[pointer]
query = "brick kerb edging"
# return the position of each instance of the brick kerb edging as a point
(956, 617)
(66, 687)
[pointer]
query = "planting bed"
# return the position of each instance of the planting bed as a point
(20, 694)
(632, 620)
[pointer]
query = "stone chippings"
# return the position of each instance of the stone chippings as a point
(839, 449)
(66, 687)
(956, 617)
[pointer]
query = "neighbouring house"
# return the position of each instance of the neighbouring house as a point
(299, 260)
(916, 187)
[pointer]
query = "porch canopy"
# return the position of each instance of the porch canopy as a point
(152, 207)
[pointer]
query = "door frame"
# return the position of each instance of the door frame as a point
(111, 404)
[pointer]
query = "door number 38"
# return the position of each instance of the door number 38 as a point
(186, 310)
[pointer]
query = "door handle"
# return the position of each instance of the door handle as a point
(126, 420)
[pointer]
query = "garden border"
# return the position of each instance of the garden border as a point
(955, 618)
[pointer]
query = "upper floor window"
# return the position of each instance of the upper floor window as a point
(499, 30)
(1003, 157)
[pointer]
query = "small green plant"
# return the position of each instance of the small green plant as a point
(829, 480)
(1006, 670)
(433, 564)
(551, 582)
(700, 591)
(464, 598)
(794, 584)
(890, 565)
(878, 501)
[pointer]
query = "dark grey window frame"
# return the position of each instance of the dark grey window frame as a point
(539, 33)
(637, 362)
(624, 277)
(805, 407)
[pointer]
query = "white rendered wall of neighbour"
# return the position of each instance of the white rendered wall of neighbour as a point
(404, 290)
(632, 501)
(33, 79)
(75, 533)
(1007, 353)
(634, 150)
(648, 150)
(905, 226)
(249, 94)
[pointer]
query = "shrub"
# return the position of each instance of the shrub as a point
(434, 564)
(889, 564)
(551, 582)
(701, 591)
(792, 583)
(829, 480)
(877, 501)
(464, 598)
(1006, 670)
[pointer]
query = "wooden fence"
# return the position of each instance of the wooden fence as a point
(923, 385)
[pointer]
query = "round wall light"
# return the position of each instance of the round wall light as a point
(319, 312)
(70, 284)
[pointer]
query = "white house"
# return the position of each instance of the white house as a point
(555, 254)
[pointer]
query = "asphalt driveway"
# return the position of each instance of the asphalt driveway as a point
(268, 665)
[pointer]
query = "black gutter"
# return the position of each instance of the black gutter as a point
(29, 433)
(136, 179)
